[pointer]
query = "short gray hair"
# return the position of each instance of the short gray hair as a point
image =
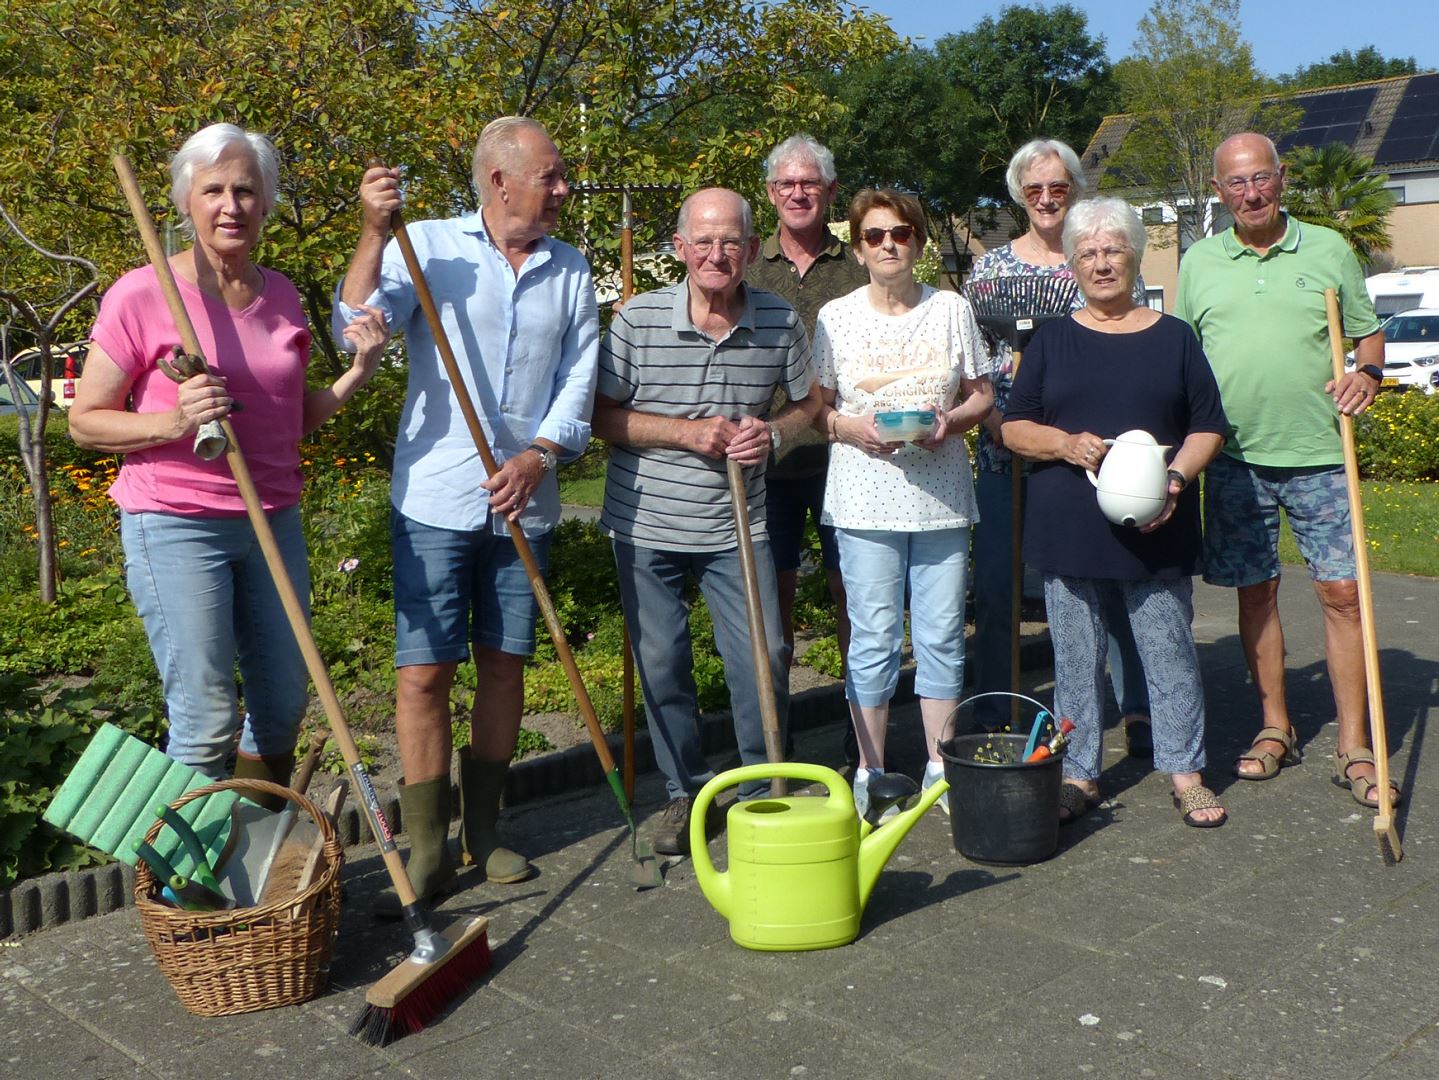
(207, 146)
(801, 147)
(498, 144)
(1035, 150)
(682, 223)
(1108, 215)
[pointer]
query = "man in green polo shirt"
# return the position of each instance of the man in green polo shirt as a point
(809, 266)
(1255, 296)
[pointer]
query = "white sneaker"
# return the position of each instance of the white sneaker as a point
(933, 773)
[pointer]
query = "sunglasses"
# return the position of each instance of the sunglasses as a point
(1034, 192)
(900, 233)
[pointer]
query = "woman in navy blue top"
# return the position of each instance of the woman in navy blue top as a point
(1114, 366)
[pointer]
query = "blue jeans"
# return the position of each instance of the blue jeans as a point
(1161, 614)
(876, 567)
(993, 540)
(652, 592)
(204, 593)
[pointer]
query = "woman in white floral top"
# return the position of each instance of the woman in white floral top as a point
(902, 511)
(1045, 178)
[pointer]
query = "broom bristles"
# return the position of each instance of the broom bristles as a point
(407, 999)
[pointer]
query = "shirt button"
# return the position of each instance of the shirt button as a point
(509, 371)
(504, 408)
(514, 333)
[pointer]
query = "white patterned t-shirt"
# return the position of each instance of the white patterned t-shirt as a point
(919, 358)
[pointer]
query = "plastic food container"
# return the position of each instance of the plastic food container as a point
(907, 426)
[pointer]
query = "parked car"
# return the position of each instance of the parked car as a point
(1411, 350)
(69, 360)
(27, 397)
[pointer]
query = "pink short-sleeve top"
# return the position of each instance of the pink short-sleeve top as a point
(262, 353)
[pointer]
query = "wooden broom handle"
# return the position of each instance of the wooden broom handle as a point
(1378, 731)
(290, 600)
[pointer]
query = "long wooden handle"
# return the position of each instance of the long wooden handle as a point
(1016, 562)
(759, 645)
(627, 698)
(1378, 730)
(274, 560)
(482, 444)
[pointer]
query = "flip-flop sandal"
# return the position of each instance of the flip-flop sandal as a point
(1139, 738)
(1269, 763)
(1361, 756)
(1197, 798)
(1075, 801)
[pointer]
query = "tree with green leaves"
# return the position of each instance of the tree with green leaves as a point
(1348, 67)
(1333, 186)
(1190, 84)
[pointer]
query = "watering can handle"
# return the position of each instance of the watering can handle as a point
(1093, 474)
(790, 770)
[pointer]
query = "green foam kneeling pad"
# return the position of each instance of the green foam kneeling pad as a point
(109, 800)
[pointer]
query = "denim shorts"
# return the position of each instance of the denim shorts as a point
(1241, 521)
(454, 587)
(788, 504)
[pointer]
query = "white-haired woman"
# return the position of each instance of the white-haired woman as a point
(192, 562)
(1112, 366)
(1045, 178)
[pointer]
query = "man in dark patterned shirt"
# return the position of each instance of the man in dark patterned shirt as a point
(809, 266)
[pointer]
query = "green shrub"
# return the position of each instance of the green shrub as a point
(40, 741)
(1398, 437)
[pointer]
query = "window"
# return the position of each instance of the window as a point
(1397, 190)
(1153, 215)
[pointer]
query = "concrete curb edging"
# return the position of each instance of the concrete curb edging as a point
(39, 903)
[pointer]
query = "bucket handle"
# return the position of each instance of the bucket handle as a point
(950, 726)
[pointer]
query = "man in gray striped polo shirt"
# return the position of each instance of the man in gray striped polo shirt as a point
(686, 378)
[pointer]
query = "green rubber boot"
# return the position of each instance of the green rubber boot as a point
(275, 768)
(425, 815)
(481, 785)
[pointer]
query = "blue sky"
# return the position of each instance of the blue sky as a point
(1281, 41)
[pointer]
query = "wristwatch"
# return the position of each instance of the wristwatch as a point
(547, 456)
(1177, 477)
(774, 437)
(1374, 371)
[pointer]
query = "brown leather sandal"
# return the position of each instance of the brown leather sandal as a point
(1269, 763)
(1361, 756)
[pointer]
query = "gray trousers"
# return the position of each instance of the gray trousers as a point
(652, 588)
(1160, 615)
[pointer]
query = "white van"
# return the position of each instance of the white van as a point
(1411, 287)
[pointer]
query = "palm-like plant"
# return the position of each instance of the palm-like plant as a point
(1333, 186)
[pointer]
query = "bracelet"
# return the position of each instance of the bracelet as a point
(834, 426)
(1177, 477)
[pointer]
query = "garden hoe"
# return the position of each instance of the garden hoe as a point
(442, 963)
(1384, 831)
(645, 874)
(1010, 309)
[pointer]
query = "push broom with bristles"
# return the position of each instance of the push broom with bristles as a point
(442, 963)
(1384, 831)
(1010, 309)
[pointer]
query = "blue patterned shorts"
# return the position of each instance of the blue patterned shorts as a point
(1241, 521)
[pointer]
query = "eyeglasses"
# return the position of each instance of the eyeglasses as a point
(730, 246)
(1089, 256)
(900, 233)
(1262, 182)
(809, 187)
(1059, 192)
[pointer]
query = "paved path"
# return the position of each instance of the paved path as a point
(1278, 946)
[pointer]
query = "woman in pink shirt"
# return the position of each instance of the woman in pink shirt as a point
(192, 561)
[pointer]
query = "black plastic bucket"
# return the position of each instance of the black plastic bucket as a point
(1002, 814)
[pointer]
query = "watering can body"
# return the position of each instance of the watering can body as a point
(800, 868)
(1133, 480)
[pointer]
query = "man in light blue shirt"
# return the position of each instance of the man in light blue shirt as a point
(519, 310)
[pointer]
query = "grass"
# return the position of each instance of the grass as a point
(1401, 519)
(582, 482)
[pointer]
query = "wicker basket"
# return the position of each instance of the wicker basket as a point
(262, 957)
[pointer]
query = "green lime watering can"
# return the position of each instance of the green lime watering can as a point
(801, 869)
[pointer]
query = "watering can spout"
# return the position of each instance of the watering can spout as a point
(876, 846)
